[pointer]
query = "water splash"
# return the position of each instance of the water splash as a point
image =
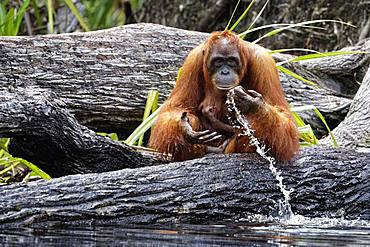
(285, 210)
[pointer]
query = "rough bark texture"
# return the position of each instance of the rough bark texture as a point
(103, 77)
(354, 131)
(45, 133)
(325, 182)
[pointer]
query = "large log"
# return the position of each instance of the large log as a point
(103, 77)
(354, 130)
(45, 133)
(325, 182)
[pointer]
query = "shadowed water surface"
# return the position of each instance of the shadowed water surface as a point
(298, 232)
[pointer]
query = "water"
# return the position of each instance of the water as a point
(285, 210)
(315, 232)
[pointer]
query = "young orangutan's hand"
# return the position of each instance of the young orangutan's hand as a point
(224, 128)
(197, 137)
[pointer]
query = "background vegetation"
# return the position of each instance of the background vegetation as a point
(61, 16)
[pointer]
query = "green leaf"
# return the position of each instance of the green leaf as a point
(7, 169)
(4, 143)
(2, 19)
(142, 128)
(79, 17)
(49, 6)
(320, 116)
(9, 24)
(4, 3)
(298, 119)
(136, 4)
(294, 75)
(36, 11)
(292, 49)
(232, 15)
(151, 105)
(179, 73)
(242, 16)
(301, 24)
(270, 26)
(305, 131)
(35, 169)
(20, 15)
(255, 19)
(114, 136)
(321, 55)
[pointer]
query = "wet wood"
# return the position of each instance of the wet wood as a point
(325, 183)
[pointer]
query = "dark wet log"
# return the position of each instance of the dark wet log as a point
(45, 133)
(325, 182)
(104, 76)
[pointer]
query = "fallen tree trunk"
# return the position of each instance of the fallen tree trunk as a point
(103, 77)
(45, 133)
(354, 131)
(325, 182)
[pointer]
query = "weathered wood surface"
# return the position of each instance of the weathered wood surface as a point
(45, 133)
(103, 77)
(354, 130)
(325, 182)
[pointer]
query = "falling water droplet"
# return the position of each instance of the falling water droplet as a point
(285, 210)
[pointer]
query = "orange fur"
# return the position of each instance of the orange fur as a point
(273, 125)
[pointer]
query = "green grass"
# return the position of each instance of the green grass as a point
(255, 19)
(79, 17)
(142, 128)
(296, 76)
(241, 17)
(50, 8)
(280, 27)
(103, 14)
(297, 25)
(317, 55)
(97, 14)
(151, 106)
(11, 166)
(318, 114)
(11, 18)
